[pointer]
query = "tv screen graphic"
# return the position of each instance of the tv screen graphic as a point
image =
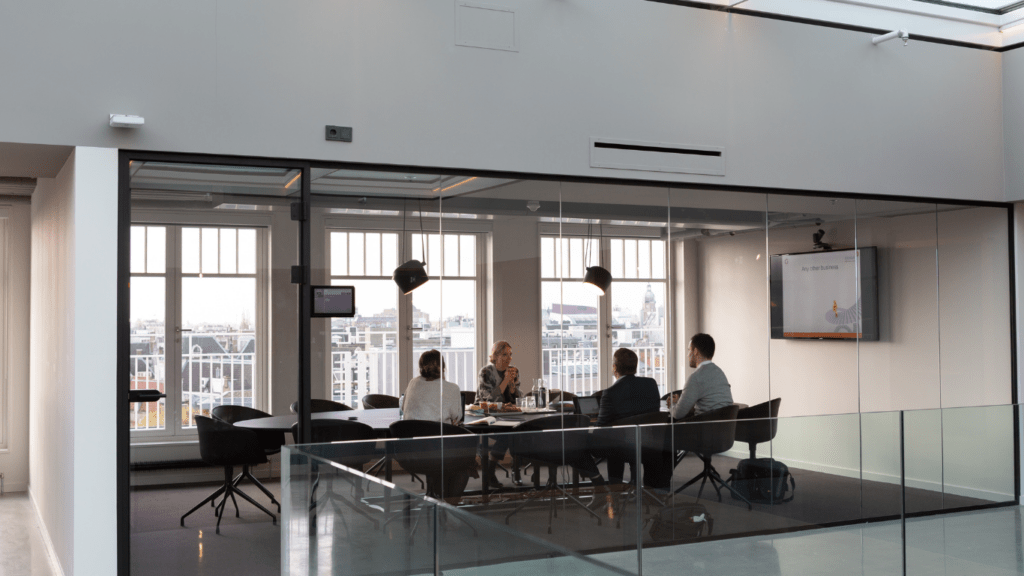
(830, 295)
(334, 301)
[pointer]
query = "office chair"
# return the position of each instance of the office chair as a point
(223, 444)
(758, 424)
(440, 451)
(468, 397)
(353, 456)
(318, 405)
(707, 434)
(379, 401)
(270, 440)
(550, 450)
(619, 448)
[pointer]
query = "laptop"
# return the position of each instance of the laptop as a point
(587, 406)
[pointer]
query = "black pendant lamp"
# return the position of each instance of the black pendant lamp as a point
(597, 279)
(412, 274)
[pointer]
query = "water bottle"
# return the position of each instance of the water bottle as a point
(540, 393)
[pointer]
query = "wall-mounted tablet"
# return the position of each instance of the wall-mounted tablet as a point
(334, 301)
(825, 295)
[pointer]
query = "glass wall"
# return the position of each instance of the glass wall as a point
(864, 348)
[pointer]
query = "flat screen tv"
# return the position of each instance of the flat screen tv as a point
(829, 295)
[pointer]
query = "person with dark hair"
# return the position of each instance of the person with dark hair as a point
(630, 395)
(428, 396)
(707, 388)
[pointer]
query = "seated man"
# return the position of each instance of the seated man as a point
(706, 389)
(628, 396)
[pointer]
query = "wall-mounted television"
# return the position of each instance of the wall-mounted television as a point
(831, 295)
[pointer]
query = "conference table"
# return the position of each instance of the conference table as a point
(381, 418)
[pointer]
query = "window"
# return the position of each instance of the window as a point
(638, 303)
(364, 349)
(194, 298)
(367, 352)
(633, 313)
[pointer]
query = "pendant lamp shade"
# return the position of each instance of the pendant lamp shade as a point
(410, 276)
(598, 279)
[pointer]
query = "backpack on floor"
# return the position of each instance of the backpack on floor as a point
(683, 522)
(762, 481)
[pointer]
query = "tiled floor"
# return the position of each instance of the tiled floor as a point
(22, 551)
(986, 542)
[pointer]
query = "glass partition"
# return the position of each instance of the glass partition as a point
(212, 246)
(724, 522)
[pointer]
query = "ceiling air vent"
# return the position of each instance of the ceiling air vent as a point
(657, 157)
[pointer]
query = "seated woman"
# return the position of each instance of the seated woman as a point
(429, 397)
(498, 382)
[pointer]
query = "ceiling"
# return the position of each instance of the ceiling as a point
(990, 24)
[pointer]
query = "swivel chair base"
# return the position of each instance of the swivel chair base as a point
(228, 490)
(709, 473)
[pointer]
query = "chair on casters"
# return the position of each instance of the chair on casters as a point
(758, 424)
(442, 453)
(551, 450)
(270, 441)
(655, 452)
(317, 405)
(379, 401)
(222, 444)
(351, 455)
(708, 434)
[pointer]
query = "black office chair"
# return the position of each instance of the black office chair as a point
(654, 440)
(550, 450)
(468, 397)
(270, 440)
(379, 401)
(758, 424)
(439, 452)
(707, 434)
(222, 444)
(354, 456)
(619, 448)
(318, 405)
(560, 396)
(597, 395)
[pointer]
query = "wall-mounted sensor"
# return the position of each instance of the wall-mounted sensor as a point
(126, 121)
(338, 133)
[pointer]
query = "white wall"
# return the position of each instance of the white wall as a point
(14, 458)
(1013, 123)
(52, 391)
(795, 106)
(958, 258)
(73, 356)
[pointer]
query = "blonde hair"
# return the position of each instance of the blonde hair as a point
(498, 348)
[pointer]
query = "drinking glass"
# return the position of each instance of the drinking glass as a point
(531, 402)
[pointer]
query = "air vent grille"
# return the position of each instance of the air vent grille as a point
(657, 157)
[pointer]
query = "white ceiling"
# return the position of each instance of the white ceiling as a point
(969, 21)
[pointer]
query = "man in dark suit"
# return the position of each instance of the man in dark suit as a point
(629, 396)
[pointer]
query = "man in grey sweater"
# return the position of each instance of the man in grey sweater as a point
(706, 389)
